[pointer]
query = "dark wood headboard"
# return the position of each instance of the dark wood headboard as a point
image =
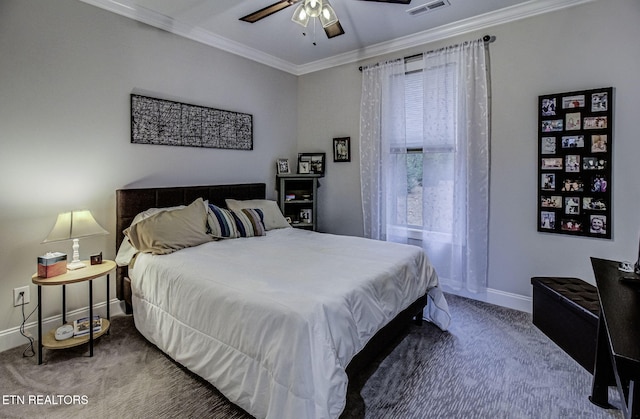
(130, 202)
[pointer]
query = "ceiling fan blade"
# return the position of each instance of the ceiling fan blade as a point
(392, 1)
(334, 30)
(268, 11)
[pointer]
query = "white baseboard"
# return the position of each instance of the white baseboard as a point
(497, 297)
(11, 338)
(510, 300)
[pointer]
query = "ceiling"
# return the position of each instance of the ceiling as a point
(371, 28)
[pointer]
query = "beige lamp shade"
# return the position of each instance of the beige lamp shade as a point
(74, 225)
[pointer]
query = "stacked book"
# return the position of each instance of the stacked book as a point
(81, 326)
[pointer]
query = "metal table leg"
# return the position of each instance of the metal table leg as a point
(91, 317)
(39, 324)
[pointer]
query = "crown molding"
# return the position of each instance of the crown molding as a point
(509, 14)
(141, 14)
(476, 23)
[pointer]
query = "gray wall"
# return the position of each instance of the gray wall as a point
(588, 46)
(329, 107)
(66, 72)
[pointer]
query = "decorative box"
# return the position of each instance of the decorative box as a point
(52, 264)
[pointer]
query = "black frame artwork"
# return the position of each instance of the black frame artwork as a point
(342, 149)
(165, 122)
(575, 139)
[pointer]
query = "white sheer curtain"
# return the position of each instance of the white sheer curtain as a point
(451, 117)
(382, 131)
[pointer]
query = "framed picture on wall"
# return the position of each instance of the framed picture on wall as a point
(575, 163)
(342, 149)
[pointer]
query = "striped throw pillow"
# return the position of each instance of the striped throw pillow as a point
(250, 222)
(222, 223)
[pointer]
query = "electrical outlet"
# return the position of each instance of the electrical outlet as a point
(19, 299)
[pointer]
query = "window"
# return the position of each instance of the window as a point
(427, 204)
(424, 139)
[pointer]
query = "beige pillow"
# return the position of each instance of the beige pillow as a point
(168, 231)
(126, 252)
(273, 217)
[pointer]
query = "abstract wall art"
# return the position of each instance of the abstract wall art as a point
(166, 122)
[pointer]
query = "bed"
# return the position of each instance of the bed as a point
(276, 322)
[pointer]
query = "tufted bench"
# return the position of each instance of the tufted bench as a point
(567, 311)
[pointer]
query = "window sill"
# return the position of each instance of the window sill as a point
(420, 235)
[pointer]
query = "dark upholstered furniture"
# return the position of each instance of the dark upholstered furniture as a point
(567, 311)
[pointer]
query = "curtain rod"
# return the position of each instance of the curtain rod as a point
(487, 40)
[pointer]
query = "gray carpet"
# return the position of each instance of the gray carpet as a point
(493, 363)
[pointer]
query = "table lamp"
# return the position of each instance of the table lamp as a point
(74, 226)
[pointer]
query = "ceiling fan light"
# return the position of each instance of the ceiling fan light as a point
(327, 16)
(300, 16)
(313, 7)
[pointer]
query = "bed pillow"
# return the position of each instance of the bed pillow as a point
(168, 231)
(126, 251)
(273, 217)
(250, 222)
(222, 223)
(153, 211)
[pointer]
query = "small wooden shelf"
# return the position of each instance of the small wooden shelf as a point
(301, 225)
(298, 201)
(49, 340)
(304, 190)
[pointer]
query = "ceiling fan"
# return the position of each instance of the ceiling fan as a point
(309, 8)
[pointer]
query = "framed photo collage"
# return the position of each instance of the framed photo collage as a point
(575, 165)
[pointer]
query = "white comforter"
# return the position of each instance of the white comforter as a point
(273, 321)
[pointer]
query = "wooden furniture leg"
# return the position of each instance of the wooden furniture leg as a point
(603, 370)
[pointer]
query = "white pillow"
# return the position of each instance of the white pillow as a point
(273, 217)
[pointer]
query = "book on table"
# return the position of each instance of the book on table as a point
(81, 326)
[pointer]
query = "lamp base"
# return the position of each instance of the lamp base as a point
(75, 265)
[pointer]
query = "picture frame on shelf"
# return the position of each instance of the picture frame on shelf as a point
(304, 167)
(306, 215)
(96, 259)
(283, 166)
(316, 162)
(342, 149)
